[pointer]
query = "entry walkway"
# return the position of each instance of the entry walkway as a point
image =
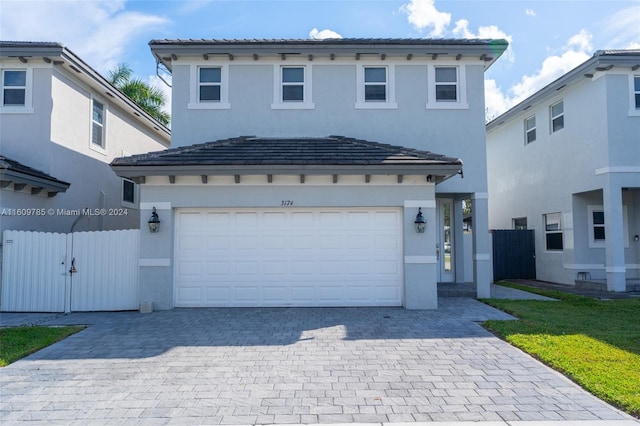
(300, 366)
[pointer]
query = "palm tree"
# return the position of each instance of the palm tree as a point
(149, 98)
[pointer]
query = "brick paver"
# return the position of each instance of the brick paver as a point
(307, 365)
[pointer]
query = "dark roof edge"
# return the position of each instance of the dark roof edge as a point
(600, 57)
(213, 170)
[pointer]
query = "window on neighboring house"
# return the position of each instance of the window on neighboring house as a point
(446, 84)
(14, 88)
(597, 220)
(553, 231)
(520, 223)
(557, 116)
(209, 84)
(530, 129)
(375, 84)
(292, 84)
(636, 90)
(97, 124)
(128, 191)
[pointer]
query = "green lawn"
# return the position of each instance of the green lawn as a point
(595, 343)
(18, 342)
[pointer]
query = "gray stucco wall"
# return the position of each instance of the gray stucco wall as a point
(563, 172)
(156, 282)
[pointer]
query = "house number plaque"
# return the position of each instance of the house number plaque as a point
(287, 203)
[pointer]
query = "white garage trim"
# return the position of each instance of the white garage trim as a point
(288, 257)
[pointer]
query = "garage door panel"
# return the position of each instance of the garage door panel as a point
(289, 257)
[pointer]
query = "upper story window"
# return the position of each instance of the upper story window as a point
(209, 87)
(446, 84)
(97, 124)
(530, 129)
(557, 116)
(209, 84)
(16, 90)
(553, 231)
(375, 84)
(446, 87)
(376, 87)
(292, 87)
(292, 84)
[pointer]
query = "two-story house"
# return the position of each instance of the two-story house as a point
(261, 205)
(565, 162)
(61, 124)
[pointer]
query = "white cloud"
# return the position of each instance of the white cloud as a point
(324, 34)
(622, 29)
(496, 102)
(577, 50)
(98, 31)
(423, 14)
(530, 12)
(461, 30)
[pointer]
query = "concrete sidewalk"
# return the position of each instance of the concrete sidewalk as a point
(293, 366)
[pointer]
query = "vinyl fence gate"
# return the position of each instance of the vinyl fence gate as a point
(81, 271)
(514, 254)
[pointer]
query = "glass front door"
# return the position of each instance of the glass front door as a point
(444, 249)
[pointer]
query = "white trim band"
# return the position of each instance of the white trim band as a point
(421, 259)
(154, 262)
(616, 269)
(480, 196)
(425, 204)
(584, 266)
(159, 206)
(617, 169)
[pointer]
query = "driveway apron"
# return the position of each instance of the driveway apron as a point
(290, 365)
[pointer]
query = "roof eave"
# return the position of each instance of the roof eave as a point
(444, 170)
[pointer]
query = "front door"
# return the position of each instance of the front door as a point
(444, 245)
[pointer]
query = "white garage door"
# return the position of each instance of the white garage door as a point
(289, 257)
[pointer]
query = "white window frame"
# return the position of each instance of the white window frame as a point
(105, 107)
(390, 102)
(461, 102)
(27, 108)
(634, 108)
(593, 243)
(553, 117)
(560, 230)
(307, 102)
(125, 203)
(194, 88)
(527, 130)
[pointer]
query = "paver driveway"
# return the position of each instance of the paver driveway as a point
(191, 366)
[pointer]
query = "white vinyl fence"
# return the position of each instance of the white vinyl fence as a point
(82, 271)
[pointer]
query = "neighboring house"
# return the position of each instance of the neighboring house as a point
(294, 216)
(565, 162)
(61, 124)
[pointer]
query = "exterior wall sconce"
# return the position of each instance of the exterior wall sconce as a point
(154, 222)
(420, 223)
(636, 238)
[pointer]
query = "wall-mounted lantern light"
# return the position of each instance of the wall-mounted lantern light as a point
(154, 221)
(420, 223)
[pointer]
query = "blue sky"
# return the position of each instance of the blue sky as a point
(547, 37)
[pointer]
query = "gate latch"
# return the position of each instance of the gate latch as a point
(73, 266)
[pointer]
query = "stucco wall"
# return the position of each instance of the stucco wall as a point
(452, 132)
(543, 176)
(156, 282)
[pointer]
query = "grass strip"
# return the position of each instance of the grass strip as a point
(595, 343)
(18, 342)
